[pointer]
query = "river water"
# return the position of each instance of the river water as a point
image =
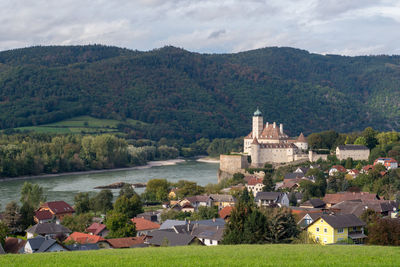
(66, 186)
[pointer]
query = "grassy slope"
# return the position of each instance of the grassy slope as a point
(244, 255)
(77, 125)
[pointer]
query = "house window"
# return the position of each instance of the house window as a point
(325, 240)
(317, 229)
(325, 230)
(354, 229)
(340, 230)
(317, 239)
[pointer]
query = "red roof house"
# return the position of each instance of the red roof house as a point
(225, 213)
(58, 208)
(332, 199)
(97, 229)
(125, 242)
(144, 226)
(83, 238)
(42, 216)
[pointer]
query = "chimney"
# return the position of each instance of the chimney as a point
(281, 128)
(266, 124)
(274, 124)
(213, 219)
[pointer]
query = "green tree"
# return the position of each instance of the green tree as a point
(102, 202)
(205, 213)
(78, 222)
(361, 141)
(369, 135)
(12, 217)
(188, 188)
(282, 227)
(26, 216)
(4, 231)
(32, 194)
(119, 225)
(82, 203)
(128, 206)
(127, 191)
(349, 163)
(157, 190)
(269, 184)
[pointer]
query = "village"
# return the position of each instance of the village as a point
(309, 199)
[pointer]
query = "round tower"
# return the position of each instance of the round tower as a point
(255, 153)
(258, 124)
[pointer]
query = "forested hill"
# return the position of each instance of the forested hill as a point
(191, 95)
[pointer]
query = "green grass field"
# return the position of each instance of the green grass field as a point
(81, 124)
(243, 255)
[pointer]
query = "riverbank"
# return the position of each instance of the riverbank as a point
(149, 164)
(208, 160)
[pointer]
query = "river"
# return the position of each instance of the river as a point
(66, 186)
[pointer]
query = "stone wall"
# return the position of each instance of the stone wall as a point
(231, 164)
(312, 156)
(357, 154)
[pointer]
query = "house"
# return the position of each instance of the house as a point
(255, 185)
(14, 245)
(266, 199)
(332, 228)
(389, 163)
(313, 203)
(293, 175)
(308, 219)
(50, 229)
(83, 238)
(208, 235)
(221, 201)
(43, 216)
(98, 229)
(357, 207)
(153, 216)
(356, 152)
(303, 170)
(336, 169)
(124, 242)
(169, 224)
(197, 201)
(82, 247)
(291, 184)
(225, 213)
(58, 208)
(170, 238)
(332, 199)
(210, 222)
(43, 244)
(354, 173)
(367, 168)
(187, 207)
(143, 226)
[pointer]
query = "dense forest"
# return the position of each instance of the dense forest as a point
(187, 95)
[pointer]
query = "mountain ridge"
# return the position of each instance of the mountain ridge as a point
(191, 95)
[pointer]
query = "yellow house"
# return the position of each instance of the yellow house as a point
(333, 228)
(172, 193)
(221, 201)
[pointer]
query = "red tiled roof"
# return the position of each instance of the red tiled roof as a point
(254, 181)
(96, 228)
(340, 168)
(143, 224)
(83, 238)
(13, 245)
(58, 207)
(255, 141)
(43, 215)
(339, 197)
(225, 212)
(125, 242)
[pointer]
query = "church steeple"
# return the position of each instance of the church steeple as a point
(258, 124)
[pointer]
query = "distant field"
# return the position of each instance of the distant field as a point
(243, 255)
(81, 124)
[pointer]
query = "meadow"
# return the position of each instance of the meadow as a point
(240, 255)
(80, 124)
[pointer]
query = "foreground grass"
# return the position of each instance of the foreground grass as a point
(243, 255)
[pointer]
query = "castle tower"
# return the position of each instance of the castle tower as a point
(255, 153)
(258, 124)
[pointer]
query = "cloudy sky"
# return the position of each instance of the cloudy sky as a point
(347, 27)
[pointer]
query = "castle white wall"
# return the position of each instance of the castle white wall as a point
(356, 154)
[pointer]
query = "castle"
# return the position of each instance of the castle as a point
(270, 144)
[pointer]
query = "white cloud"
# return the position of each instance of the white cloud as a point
(323, 26)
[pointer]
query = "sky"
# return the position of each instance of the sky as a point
(345, 27)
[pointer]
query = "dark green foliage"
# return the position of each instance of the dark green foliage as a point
(102, 202)
(12, 217)
(3, 232)
(175, 215)
(282, 227)
(27, 212)
(349, 163)
(292, 199)
(32, 194)
(384, 232)
(82, 203)
(128, 206)
(188, 188)
(269, 184)
(156, 190)
(127, 191)
(119, 225)
(191, 95)
(78, 222)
